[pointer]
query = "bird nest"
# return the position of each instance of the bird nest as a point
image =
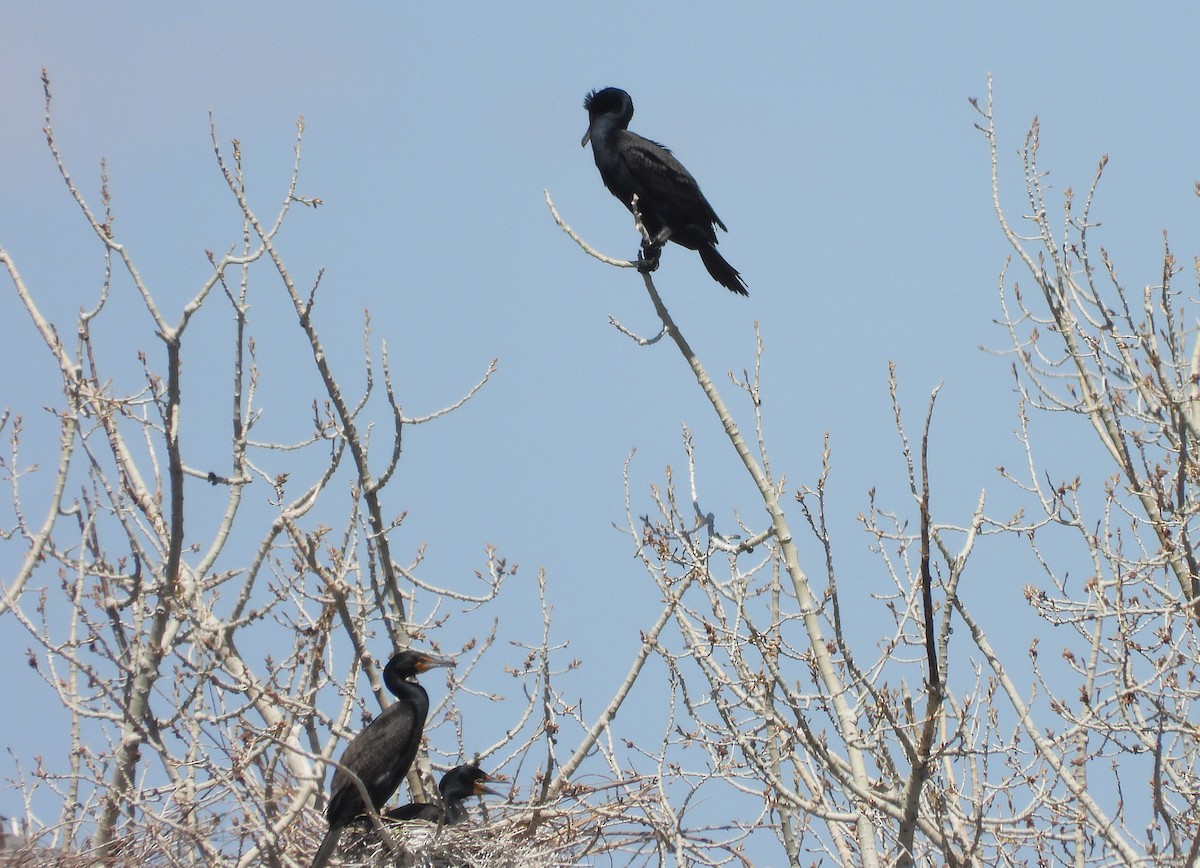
(620, 820)
(578, 826)
(423, 845)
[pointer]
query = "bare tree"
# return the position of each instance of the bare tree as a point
(971, 768)
(152, 584)
(1123, 366)
(148, 651)
(148, 603)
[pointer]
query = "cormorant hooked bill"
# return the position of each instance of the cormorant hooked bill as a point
(381, 754)
(668, 197)
(460, 783)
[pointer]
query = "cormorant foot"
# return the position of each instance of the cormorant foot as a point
(649, 257)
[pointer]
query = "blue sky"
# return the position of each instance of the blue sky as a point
(837, 145)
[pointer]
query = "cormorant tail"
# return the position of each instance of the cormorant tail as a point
(722, 272)
(328, 845)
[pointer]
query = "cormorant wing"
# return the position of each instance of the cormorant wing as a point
(380, 755)
(666, 181)
(415, 811)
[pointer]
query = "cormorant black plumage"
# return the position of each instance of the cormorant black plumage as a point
(381, 754)
(458, 784)
(668, 197)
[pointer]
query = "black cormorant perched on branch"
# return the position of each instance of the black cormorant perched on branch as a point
(381, 754)
(460, 783)
(668, 197)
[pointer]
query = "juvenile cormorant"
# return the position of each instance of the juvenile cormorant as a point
(668, 197)
(460, 783)
(381, 754)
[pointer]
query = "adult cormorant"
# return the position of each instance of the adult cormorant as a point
(381, 754)
(460, 783)
(668, 197)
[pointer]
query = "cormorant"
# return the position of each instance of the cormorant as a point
(668, 197)
(381, 754)
(460, 783)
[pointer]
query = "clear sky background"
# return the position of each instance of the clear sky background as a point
(837, 145)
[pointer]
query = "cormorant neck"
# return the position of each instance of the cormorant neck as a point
(455, 812)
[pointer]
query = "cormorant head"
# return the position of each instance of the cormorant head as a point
(609, 101)
(465, 780)
(461, 783)
(408, 663)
